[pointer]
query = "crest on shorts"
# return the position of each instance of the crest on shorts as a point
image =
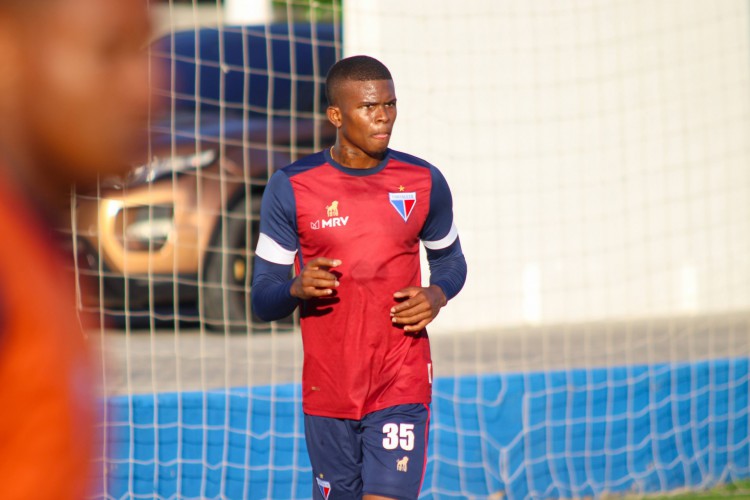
(324, 486)
(403, 203)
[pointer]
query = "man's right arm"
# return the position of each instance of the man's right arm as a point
(277, 247)
(275, 293)
(271, 294)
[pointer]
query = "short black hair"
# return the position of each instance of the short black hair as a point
(357, 68)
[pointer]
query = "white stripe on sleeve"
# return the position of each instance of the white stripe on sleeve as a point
(443, 242)
(271, 251)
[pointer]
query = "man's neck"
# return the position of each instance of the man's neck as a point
(354, 158)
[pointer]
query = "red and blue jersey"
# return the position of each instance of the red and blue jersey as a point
(356, 360)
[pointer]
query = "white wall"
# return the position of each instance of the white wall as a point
(247, 11)
(175, 17)
(598, 151)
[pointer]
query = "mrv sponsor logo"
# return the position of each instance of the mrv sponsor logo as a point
(333, 218)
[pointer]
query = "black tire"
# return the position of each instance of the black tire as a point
(225, 298)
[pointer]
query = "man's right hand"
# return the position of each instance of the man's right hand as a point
(316, 280)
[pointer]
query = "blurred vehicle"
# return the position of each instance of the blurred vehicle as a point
(241, 102)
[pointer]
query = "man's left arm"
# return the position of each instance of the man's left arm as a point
(420, 305)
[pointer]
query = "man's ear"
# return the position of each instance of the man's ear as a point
(334, 116)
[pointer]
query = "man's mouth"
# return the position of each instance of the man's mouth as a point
(382, 136)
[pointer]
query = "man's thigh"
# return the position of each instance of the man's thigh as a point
(394, 451)
(335, 450)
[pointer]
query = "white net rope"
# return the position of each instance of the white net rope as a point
(598, 158)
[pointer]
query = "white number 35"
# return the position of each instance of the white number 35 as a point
(398, 435)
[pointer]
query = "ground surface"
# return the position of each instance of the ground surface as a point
(186, 359)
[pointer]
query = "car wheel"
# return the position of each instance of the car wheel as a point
(225, 297)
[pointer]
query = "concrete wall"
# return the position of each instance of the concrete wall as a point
(598, 151)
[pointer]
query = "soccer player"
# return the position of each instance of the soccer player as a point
(351, 217)
(74, 100)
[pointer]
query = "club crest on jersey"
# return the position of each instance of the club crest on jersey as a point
(324, 486)
(333, 218)
(403, 203)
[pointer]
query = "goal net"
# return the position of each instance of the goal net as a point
(598, 155)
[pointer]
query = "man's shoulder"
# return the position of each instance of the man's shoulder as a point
(402, 157)
(305, 164)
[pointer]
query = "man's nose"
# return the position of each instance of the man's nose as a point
(381, 115)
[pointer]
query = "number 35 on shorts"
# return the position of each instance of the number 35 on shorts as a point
(398, 436)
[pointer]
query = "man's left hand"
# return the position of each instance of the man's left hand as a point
(420, 307)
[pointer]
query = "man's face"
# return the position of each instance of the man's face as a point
(83, 85)
(366, 114)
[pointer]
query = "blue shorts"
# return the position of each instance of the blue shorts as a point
(383, 454)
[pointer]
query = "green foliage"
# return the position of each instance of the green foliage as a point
(740, 489)
(307, 10)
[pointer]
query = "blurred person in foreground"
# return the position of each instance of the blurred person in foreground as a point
(74, 100)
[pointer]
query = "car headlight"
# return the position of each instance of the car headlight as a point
(144, 227)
